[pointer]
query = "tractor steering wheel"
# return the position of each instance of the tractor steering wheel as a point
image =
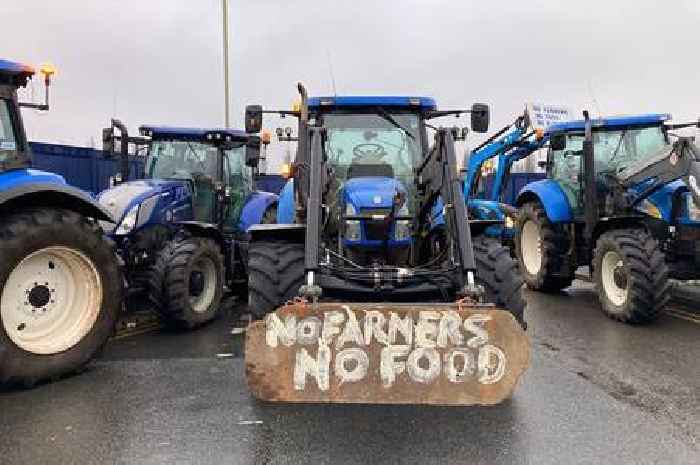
(368, 151)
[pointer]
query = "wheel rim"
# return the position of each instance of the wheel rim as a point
(203, 282)
(614, 278)
(531, 247)
(51, 300)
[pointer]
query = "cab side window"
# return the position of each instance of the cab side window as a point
(238, 179)
(8, 142)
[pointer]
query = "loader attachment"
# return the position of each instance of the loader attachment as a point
(386, 353)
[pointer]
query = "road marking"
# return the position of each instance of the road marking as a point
(250, 422)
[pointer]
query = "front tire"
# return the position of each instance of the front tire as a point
(541, 251)
(188, 281)
(631, 275)
(275, 274)
(498, 273)
(61, 290)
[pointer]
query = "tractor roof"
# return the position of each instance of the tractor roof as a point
(611, 122)
(424, 103)
(14, 73)
(194, 134)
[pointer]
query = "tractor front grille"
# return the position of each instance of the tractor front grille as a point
(375, 230)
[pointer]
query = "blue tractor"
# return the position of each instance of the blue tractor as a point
(622, 196)
(507, 146)
(182, 230)
(375, 211)
(60, 281)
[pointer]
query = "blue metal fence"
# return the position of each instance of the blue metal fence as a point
(83, 167)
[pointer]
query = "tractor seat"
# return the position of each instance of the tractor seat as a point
(364, 170)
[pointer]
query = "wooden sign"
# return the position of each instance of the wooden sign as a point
(443, 354)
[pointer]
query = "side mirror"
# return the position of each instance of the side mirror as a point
(253, 118)
(557, 141)
(252, 152)
(480, 117)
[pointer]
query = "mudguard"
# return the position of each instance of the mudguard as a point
(663, 197)
(29, 187)
(285, 207)
(254, 209)
(551, 196)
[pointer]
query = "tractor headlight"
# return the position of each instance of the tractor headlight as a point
(645, 206)
(353, 228)
(693, 209)
(402, 229)
(129, 221)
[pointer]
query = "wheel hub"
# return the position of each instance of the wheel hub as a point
(39, 296)
(620, 277)
(196, 283)
(614, 278)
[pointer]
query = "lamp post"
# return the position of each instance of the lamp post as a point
(226, 87)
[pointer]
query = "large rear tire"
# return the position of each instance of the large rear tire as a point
(541, 251)
(275, 274)
(61, 290)
(188, 281)
(631, 275)
(499, 274)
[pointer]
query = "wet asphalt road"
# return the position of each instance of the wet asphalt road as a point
(597, 392)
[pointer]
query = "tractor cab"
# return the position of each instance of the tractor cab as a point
(623, 147)
(209, 162)
(14, 149)
(374, 148)
(374, 145)
(191, 174)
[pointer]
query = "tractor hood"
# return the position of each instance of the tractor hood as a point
(371, 192)
(120, 199)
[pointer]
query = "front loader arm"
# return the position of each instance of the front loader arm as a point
(682, 161)
(439, 178)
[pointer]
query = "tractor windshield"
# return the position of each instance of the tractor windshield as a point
(181, 159)
(373, 144)
(8, 142)
(614, 150)
(619, 149)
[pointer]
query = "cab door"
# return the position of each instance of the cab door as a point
(566, 168)
(238, 182)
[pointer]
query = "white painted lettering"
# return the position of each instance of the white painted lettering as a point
(308, 331)
(331, 322)
(374, 326)
(276, 331)
(419, 373)
(351, 331)
(389, 367)
(426, 328)
(317, 368)
(351, 365)
(475, 325)
(490, 372)
(403, 326)
(449, 329)
(453, 373)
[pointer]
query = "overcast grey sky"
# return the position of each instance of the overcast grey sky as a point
(160, 61)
